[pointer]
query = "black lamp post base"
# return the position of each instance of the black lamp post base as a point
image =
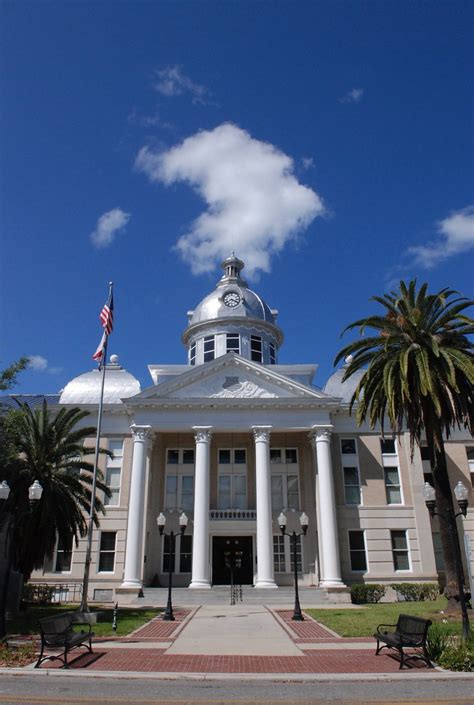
(298, 618)
(168, 617)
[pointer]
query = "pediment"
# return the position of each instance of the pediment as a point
(230, 377)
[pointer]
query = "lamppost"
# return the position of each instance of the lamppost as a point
(183, 522)
(461, 493)
(34, 495)
(304, 521)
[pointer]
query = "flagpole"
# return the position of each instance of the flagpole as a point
(85, 583)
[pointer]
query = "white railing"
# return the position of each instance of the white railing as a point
(232, 514)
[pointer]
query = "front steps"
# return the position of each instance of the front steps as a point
(183, 597)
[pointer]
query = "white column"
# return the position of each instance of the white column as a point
(326, 507)
(136, 509)
(265, 575)
(200, 577)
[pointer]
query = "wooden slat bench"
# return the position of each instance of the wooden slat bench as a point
(57, 633)
(409, 632)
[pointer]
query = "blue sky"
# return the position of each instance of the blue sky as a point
(329, 142)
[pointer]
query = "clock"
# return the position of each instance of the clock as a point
(231, 299)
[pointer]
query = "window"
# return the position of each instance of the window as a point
(232, 479)
(392, 485)
(350, 471)
(357, 552)
(470, 460)
(63, 556)
(186, 554)
(256, 348)
(188, 457)
(113, 472)
(231, 456)
(438, 551)
(388, 446)
(425, 460)
(351, 485)
(348, 446)
(209, 348)
(285, 492)
(192, 354)
(172, 457)
(272, 354)
(424, 453)
(240, 457)
(284, 479)
(400, 555)
(279, 562)
(107, 551)
(391, 471)
(179, 492)
(233, 343)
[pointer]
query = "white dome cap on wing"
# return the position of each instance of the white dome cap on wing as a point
(335, 387)
(86, 388)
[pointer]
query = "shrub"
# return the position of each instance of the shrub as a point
(458, 657)
(440, 637)
(416, 592)
(39, 594)
(362, 593)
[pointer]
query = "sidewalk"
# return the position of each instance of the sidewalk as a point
(258, 640)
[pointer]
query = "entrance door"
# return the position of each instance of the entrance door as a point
(233, 551)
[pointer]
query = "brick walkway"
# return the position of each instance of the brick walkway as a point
(156, 661)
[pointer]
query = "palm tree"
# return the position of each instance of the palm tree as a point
(419, 373)
(50, 449)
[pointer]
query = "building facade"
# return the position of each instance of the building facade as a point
(232, 439)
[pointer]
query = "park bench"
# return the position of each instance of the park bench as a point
(57, 633)
(409, 632)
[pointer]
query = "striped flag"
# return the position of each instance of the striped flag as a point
(106, 317)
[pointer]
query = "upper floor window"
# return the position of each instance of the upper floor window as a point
(113, 472)
(233, 343)
(393, 485)
(288, 456)
(232, 480)
(285, 491)
(272, 354)
(400, 554)
(350, 471)
(180, 456)
(232, 456)
(256, 348)
(209, 348)
(470, 460)
(179, 492)
(192, 354)
(357, 551)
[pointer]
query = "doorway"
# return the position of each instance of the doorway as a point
(235, 551)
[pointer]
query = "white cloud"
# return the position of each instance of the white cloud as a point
(107, 227)
(307, 163)
(255, 205)
(171, 81)
(456, 235)
(352, 96)
(37, 362)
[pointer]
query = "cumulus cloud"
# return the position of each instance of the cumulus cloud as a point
(171, 81)
(107, 227)
(307, 163)
(40, 364)
(352, 96)
(456, 235)
(255, 205)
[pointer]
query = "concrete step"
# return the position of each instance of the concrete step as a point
(183, 597)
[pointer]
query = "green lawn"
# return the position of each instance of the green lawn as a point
(127, 619)
(364, 620)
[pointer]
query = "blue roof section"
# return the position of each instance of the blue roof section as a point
(30, 399)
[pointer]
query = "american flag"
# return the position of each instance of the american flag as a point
(106, 317)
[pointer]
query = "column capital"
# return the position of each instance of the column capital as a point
(320, 433)
(202, 434)
(140, 433)
(261, 433)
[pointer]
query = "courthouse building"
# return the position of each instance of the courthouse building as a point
(233, 438)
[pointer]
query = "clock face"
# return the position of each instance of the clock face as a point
(231, 299)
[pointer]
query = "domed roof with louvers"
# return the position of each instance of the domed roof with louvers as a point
(85, 389)
(232, 300)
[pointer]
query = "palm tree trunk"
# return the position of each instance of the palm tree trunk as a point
(445, 510)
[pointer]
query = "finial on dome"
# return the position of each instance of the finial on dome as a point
(114, 359)
(348, 360)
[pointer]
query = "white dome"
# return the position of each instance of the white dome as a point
(85, 389)
(335, 387)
